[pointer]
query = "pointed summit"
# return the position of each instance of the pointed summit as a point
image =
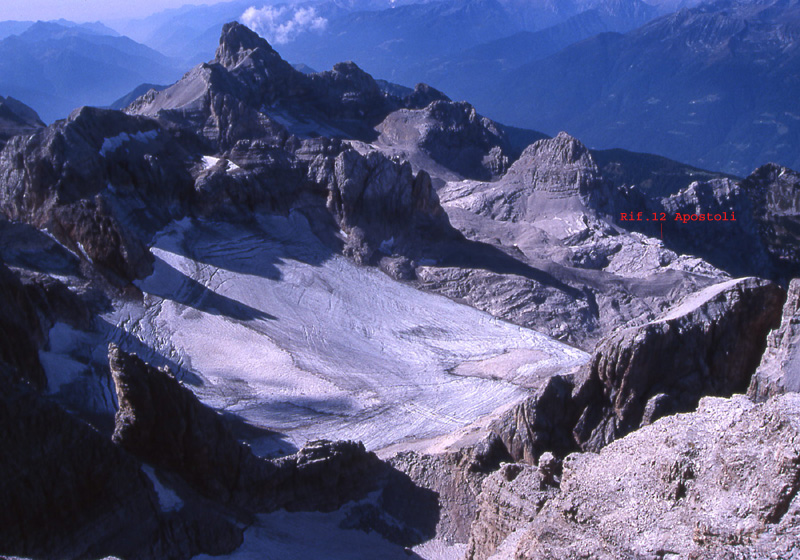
(237, 43)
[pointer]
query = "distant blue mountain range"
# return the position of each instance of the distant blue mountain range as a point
(57, 66)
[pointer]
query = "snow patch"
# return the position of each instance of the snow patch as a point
(310, 536)
(211, 161)
(168, 499)
(53, 237)
(110, 145)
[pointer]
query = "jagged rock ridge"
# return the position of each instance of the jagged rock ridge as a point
(149, 201)
(709, 345)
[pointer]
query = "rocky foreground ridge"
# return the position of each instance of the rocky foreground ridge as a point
(720, 482)
(118, 226)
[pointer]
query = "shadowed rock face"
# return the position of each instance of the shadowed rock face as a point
(774, 192)
(20, 331)
(85, 178)
(761, 241)
(460, 139)
(164, 424)
(779, 371)
(456, 479)
(68, 492)
(710, 344)
(16, 118)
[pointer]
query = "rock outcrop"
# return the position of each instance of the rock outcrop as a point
(455, 477)
(721, 482)
(779, 371)
(552, 177)
(164, 424)
(510, 498)
(542, 422)
(99, 182)
(708, 345)
(452, 135)
(562, 167)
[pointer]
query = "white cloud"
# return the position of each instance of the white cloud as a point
(281, 25)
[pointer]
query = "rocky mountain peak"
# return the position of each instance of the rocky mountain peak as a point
(348, 91)
(349, 69)
(423, 95)
(562, 149)
(557, 165)
(237, 43)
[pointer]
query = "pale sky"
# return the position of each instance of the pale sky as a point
(87, 10)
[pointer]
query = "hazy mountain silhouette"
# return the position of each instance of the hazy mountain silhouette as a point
(55, 68)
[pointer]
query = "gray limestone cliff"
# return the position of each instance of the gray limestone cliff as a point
(779, 370)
